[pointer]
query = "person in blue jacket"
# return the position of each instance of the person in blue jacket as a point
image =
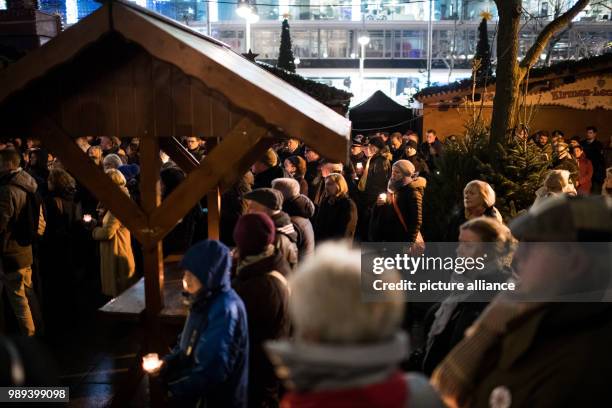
(209, 365)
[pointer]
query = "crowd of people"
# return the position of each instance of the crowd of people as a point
(276, 315)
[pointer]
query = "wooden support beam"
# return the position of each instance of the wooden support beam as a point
(240, 140)
(179, 154)
(92, 177)
(214, 213)
(241, 165)
(150, 196)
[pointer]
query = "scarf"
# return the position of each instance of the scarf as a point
(310, 367)
(459, 373)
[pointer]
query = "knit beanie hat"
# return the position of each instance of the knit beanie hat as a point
(268, 197)
(289, 187)
(405, 167)
(269, 158)
(253, 233)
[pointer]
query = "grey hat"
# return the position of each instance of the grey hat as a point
(289, 187)
(268, 197)
(564, 218)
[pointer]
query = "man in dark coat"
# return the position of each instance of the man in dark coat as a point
(267, 169)
(396, 146)
(196, 147)
(270, 202)
(594, 150)
(372, 183)
(531, 348)
(260, 282)
(411, 154)
(398, 217)
(17, 187)
(301, 209)
(431, 148)
(209, 365)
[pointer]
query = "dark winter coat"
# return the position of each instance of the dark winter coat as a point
(379, 172)
(336, 219)
(595, 153)
(464, 315)
(266, 298)
(386, 226)
(541, 360)
(264, 179)
(301, 209)
(431, 151)
(312, 171)
(182, 235)
(13, 196)
(286, 238)
(420, 165)
(210, 361)
(233, 206)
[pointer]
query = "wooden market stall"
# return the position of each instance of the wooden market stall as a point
(579, 92)
(127, 72)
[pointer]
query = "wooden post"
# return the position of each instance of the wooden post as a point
(150, 194)
(214, 213)
(151, 199)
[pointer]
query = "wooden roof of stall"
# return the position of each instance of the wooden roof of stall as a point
(126, 71)
(539, 78)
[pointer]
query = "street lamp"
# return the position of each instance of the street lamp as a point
(363, 40)
(249, 13)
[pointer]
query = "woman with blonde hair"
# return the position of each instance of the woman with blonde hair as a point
(337, 216)
(116, 257)
(479, 200)
(555, 183)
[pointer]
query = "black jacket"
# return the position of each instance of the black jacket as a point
(336, 220)
(595, 153)
(286, 237)
(379, 172)
(300, 210)
(266, 300)
(385, 224)
(264, 179)
(420, 165)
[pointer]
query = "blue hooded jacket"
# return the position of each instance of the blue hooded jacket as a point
(210, 362)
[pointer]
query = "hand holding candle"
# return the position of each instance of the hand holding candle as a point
(151, 363)
(87, 218)
(382, 199)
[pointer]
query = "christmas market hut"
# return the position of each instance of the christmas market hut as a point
(127, 72)
(579, 92)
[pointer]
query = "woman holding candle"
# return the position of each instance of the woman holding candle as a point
(209, 365)
(116, 258)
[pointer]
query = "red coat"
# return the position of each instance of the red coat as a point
(585, 173)
(392, 393)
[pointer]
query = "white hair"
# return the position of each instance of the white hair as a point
(485, 191)
(326, 300)
(289, 187)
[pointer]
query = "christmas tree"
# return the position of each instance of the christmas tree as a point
(285, 54)
(483, 52)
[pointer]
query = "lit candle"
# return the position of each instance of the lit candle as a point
(87, 218)
(151, 362)
(383, 196)
(359, 166)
